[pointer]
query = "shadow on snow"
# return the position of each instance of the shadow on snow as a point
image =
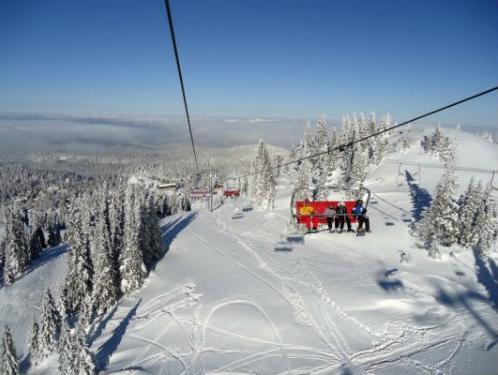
(45, 257)
(99, 328)
(109, 347)
(488, 278)
(421, 198)
(171, 230)
(388, 283)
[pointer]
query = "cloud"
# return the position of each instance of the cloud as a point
(61, 131)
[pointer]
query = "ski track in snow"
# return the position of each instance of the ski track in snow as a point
(312, 306)
(381, 354)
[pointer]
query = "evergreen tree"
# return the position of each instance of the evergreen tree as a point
(50, 326)
(321, 164)
(152, 247)
(79, 279)
(303, 181)
(82, 359)
(349, 166)
(65, 349)
(264, 184)
(35, 344)
(106, 290)
(132, 267)
(9, 364)
(334, 157)
(440, 221)
(487, 223)
(16, 251)
(74, 355)
(116, 214)
(468, 206)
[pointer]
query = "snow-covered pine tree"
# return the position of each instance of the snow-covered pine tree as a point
(440, 221)
(333, 156)
(117, 220)
(34, 344)
(486, 222)
(303, 180)
(9, 364)
(321, 164)
(82, 360)
(468, 206)
(74, 355)
(359, 169)
(305, 167)
(386, 123)
(264, 184)
(363, 131)
(106, 288)
(16, 251)
(132, 267)
(351, 166)
(152, 243)
(379, 142)
(50, 326)
(65, 348)
(79, 279)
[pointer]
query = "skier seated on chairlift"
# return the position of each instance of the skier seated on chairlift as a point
(341, 216)
(330, 213)
(361, 215)
(309, 216)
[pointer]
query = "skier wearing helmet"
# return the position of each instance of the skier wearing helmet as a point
(342, 216)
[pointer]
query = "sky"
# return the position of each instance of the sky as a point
(280, 58)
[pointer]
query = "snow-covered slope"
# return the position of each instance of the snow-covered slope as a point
(20, 302)
(224, 301)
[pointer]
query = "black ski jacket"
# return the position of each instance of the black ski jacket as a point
(341, 211)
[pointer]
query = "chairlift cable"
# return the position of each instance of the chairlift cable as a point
(180, 76)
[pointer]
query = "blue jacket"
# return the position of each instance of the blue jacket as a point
(359, 210)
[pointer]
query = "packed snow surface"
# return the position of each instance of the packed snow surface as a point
(234, 296)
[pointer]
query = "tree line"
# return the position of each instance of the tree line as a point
(115, 240)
